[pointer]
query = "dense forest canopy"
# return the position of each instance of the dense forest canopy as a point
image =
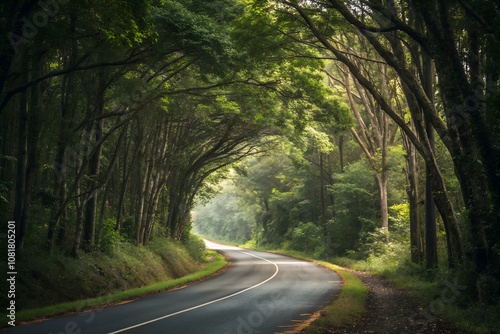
(335, 127)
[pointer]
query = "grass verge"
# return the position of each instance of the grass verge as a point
(346, 308)
(217, 263)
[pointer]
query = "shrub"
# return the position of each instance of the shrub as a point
(195, 246)
(356, 211)
(109, 236)
(305, 237)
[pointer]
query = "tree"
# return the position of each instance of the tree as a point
(147, 100)
(377, 133)
(441, 195)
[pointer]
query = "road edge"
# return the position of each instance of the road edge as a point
(346, 307)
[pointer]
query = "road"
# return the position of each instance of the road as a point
(258, 293)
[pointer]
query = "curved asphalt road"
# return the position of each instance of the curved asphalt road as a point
(259, 293)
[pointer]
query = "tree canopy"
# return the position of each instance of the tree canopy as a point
(330, 127)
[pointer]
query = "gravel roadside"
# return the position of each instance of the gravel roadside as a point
(393, 311)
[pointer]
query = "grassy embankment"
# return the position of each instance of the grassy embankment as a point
(52, 284)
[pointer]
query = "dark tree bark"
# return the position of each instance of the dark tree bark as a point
(22, 156)
(412, 191)
(62, 160)
(341, 153)
(431, 247)
(469, 134)
(93, 187)
(33, 142)
(324, 211)
(12, 42)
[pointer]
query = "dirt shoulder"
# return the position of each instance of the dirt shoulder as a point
(393, 311)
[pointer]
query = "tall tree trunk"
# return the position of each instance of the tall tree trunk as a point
(468, 133)
(102, 214)
(127, 169)
(426, 131)
(22, 143)
(93, 171)
(341, 153)
(411, 172)
(68, 107)
(12, 25)
(148, 195)
(33, 145)
(431, 255)
(175, 192)
(142, 184)
(91, 203)
(107, 184)
(381, 179)
(151, 211)
(79, 224)
(324, 211)
(371, 141)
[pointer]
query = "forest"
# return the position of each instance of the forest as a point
(360, 129)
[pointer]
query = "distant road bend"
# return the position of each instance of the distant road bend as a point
(258, 293)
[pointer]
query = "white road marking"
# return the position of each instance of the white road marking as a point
(207, 303)
(291, 262)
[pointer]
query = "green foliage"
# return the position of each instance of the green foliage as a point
(110, 238)
(189, 88)
(320, 140)
(374, 247)
(131, 27)
(355, 207)
(305, 237)
(196, 247)
(399, 225)
(222, 218)
(127, 230)
(286, 210)
(196, 32)
(263, 35)
(396, 186)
